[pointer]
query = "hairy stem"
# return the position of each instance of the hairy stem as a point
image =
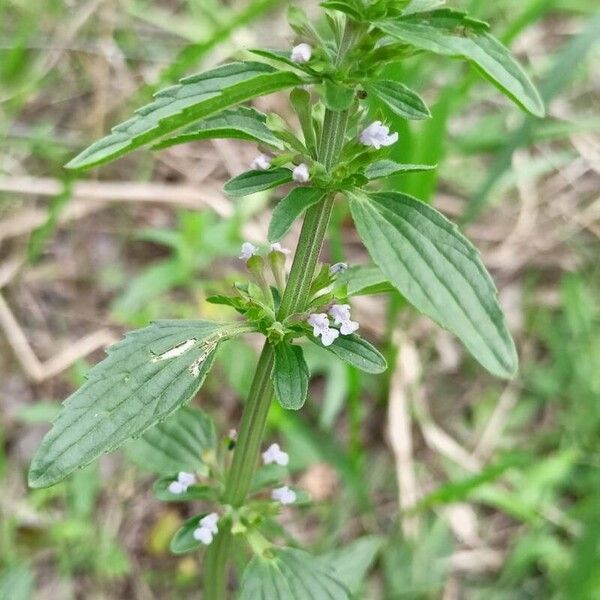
(294, 299)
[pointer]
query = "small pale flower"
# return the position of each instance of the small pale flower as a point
(277, 247)
(274, 454)
(340, 313)
(301, 53)
(204, 535)
(329, 336)
(377, 135)
(261, 163)
(210, 522)
(248, 250)
(284, 495)
(338, 268)
(301, 174)
(319, 322)
(348, 327)
(181, 484)
(176, 487)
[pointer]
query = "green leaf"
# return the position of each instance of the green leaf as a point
(453, 34)
(194, 98)
(290, 376)
(384, 168)
(289, 574)
(241, 123)
(362, 281)
(350, 8)
(338, 96)
(438, 271)
(356, 351)
(300, 100)
(251, 182)
(290, 208)
(399, 99)
(417, 6)
(351, 562)
(193, 492)
(144, 379)
(184, 541)
(176, 444)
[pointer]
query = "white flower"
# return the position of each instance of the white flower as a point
(248, 250)
(338, 268)
(301, 53)
(341, 316)
(203, 535)
(284, 495)
(210, 522)
(176, 487)
(277, 247)
(182, 483)
(301, 174)
(319, 323)
(340, 313)
(348, 327)
(329, 336)
(377, 135)
(207, 529)
(261, 163)
(274, 454)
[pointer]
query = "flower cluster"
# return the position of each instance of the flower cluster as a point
(340, 313)
(182, 483)
(248, 250)
(207, 529)
(275, 455)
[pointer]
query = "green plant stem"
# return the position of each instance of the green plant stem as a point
(294, 299)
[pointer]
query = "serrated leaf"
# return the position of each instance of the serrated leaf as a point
(184, 541)
(290, 208)
(362, 281)
(175, 445)
(384, 168)
(289, 574)
(438, 271)
(351, 562)
(399, 98)
(144, 379)
(453, 34)
(251, 182)
(192, 99)
(356, 351)
(241, 123)
(290, 376)
(193, 492)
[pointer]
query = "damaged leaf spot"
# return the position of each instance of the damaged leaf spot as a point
(176, 351)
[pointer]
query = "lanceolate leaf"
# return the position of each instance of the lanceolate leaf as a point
(251, 182)
(175, 445)
(452, 34)
(290, 574)
(194, 98)
(399, 99)
(290, 376)
(145, 378)
(383, 168)
(357, 352)
(241, 123)
(290, 208)
(438, 270)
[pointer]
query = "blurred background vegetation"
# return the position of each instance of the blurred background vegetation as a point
(467, 486)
